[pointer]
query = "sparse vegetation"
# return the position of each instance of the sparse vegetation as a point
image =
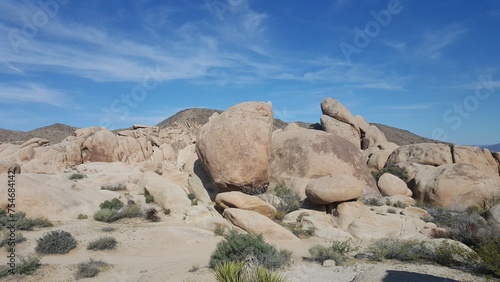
(114, 210)
(149, 198)
(230, 271)
(5, 235)
(22, 222)
(108, 229)
(236, 247)
(167, 211)
(114, 204)
(103, 243)
(290, 201)
(82, 216)
(392, 169)
(77, 176)
(152, 215)
(56, 242)
(89, 269)
(489, 253)
(377, 202)
(337, 251)
(193, 199)
(117, 187)
(25, 266)
(219, 230)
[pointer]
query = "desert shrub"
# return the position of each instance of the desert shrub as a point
(149, 198)
(131, 211)
(392, 169)
(22, 222)
(107, 229)
(373, 202)
(5, 236)
(299, 231)
(56, 242)
(467, 227)
(167, 211)
(77, 176)
(107, 215)
(118, 187)
(230, 272)
(114, 204)
(290, 201)
(219, 229)
(103, 243)
(193, 199)
(82, 216)
(25, 266)
(152, 215)
(236, 247)
(337, 251)
(89, 269)
(403, 250)
(489, 253)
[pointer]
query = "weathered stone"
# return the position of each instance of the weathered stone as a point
(341, 129)
(456, 186)
(375, 134)
(310, 154)
(336, 110)
(390, 185)
(331, 189)
(255, 223)
(425, 153)
(475, 157)
(246, 202)
(235, 147)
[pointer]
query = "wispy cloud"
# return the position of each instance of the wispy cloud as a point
(435, 41)
(32, 93)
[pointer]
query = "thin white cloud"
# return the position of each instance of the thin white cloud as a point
(435, 41)
(32, 93)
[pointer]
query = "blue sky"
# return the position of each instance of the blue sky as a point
(431, 67)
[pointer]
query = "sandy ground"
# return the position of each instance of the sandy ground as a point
(172, 251)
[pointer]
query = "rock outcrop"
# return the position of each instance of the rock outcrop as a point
(456, 186)
(334, 189)
(300, 155)
(245, 202)
(235, 146)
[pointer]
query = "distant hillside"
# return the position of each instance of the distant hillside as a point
(54, 133)
(200, 116)
(403, 137)
(492, 148)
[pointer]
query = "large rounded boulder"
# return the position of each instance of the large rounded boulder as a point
(456, 186)
(235, 146)
(300, 155)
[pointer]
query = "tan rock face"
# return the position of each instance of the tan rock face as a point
(332, 189)
(341, 129)
(456, 186)
(246, 202)
(336, 110)
(310, 154)
(8, 165)
(378, 159)
(103, 146)
(375, 134)
(255, 223)
(425, 153)
(235, 146)
(475, 157)
(362, 124)
(390, 185)
(346, 213)
(166, 194)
